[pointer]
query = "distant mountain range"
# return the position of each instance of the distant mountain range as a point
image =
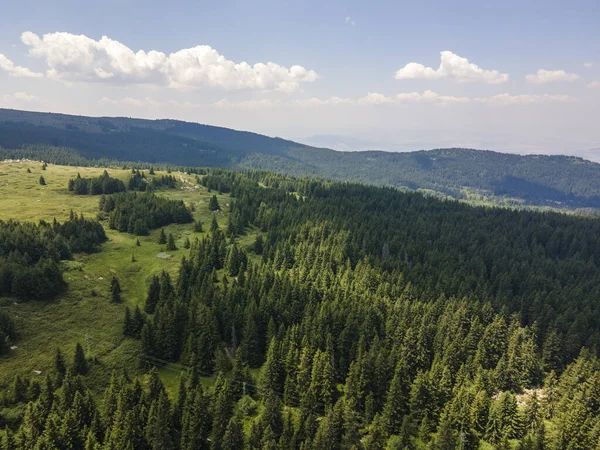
(556, 181)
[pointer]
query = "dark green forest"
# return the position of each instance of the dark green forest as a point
(30, 254)
(103, 184)
(552, 181)
(138, 213)
(359, 318)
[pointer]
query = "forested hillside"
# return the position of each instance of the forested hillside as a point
(318, 315)
(478, 176)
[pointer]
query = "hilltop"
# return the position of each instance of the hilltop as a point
(563, 182)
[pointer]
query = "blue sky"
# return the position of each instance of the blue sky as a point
(342, 73)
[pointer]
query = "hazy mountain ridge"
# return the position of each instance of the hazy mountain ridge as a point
(560, 181)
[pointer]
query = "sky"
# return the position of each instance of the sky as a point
(512, 76)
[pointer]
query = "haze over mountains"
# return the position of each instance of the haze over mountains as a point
(557, 181)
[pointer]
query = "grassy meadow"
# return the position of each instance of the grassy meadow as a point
(77, 315)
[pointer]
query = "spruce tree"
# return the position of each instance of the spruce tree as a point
(42, 181)
(271, 378)
(214, 225)
(80, 366)
(234, 435)
(115, 290)
(171, 243)
(198, 226)
(162, 238)
(213, 204)
(158, 430)
(127, 323)
(153, 296)
(195, 422)
(258, 245)
(59, 365)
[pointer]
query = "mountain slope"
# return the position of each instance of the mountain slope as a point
(557, 181)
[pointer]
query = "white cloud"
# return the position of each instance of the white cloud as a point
(350, 21)
(524, 99)
(431, 97)
(543, 76)
(19, 97)
(427, 96)
(130, 101)
(593, 84)
(587, 65)
(451, 66)
(331, 101)
(6, 65)
(372, 98)
(249, 105)
(76, 58)
(375, 98)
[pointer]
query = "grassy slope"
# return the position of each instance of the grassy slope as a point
(76, 314)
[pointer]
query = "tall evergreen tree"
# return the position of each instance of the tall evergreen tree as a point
(80, 365)
(115, 290)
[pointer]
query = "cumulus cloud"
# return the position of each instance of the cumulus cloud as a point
(350, 21)
(593, 84)
(543, 76)
(19, 97)
(451, 66)
(587, 65)
(76, 58)
(6, 65)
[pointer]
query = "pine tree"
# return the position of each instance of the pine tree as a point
(158, 426)
(115, 290)
(234, 435)
(42, 181)
(171, 243)
(213, 204)
(80, 366)
(91, 443)
(214, 226)
(127, 323)
(153, 295)
(198, 226)
(223, 409)
(446, 438)
(195, 422)
(59, 365)
(258, 245)
(187, 244)
(162, 238)
(137, 322)
(271, 378)
(397, 399)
